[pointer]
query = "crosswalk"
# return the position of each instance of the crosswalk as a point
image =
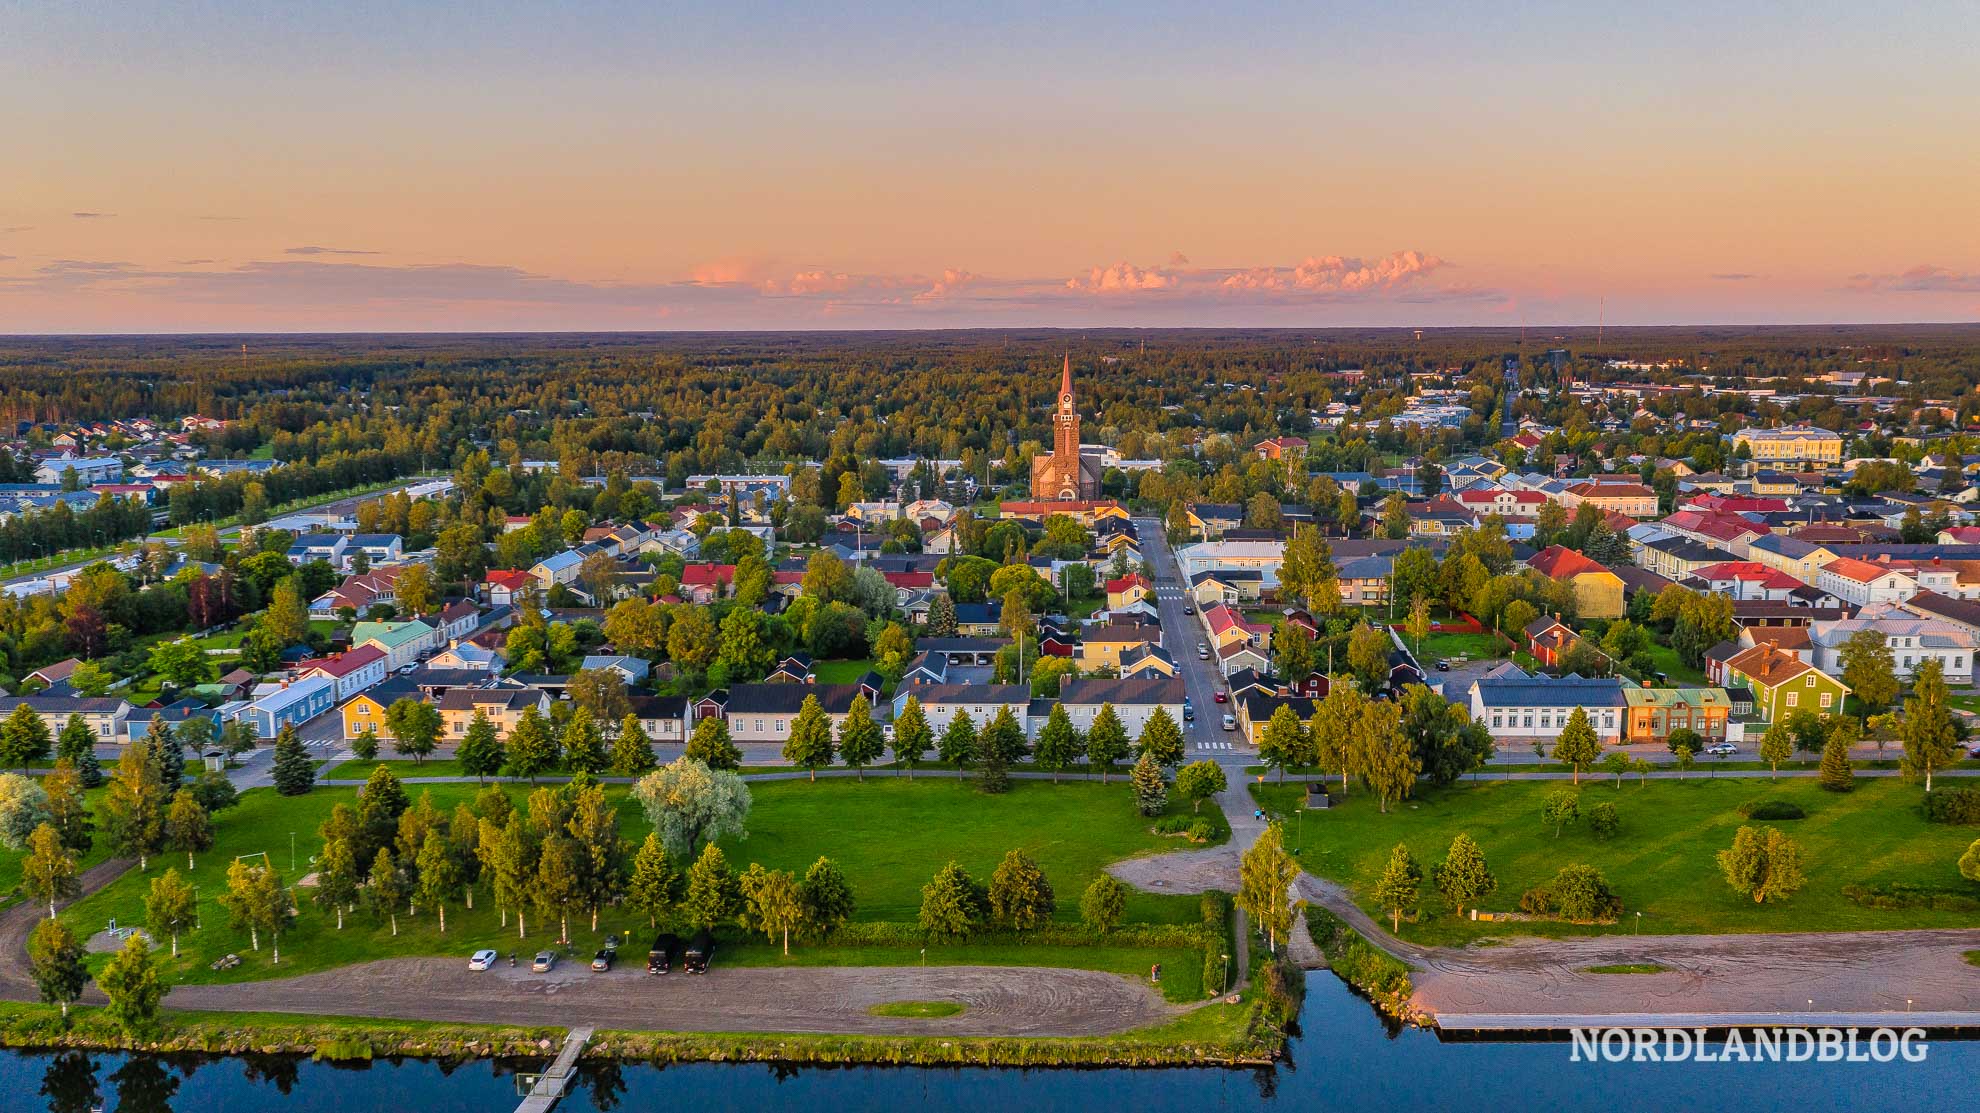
(1221, 746)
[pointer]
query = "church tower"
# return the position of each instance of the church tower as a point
(1065, 424)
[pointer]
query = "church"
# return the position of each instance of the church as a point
(1065, 475)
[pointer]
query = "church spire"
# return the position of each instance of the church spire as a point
(1065, 378)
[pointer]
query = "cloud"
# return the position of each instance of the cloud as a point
(1734, 276)
(5, 258)
(193, 262)
(1922, 279)
(312, 250)
(12, 228)
(952, 282)
(1337, 274)
(1178, 259)
(92, 216)
(1121, 278)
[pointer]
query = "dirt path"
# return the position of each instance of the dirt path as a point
(999, 1000)
(18, 922)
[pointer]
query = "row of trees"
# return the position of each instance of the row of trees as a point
(1385, 744)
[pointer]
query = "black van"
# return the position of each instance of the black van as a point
(660, 958)
(699, 951)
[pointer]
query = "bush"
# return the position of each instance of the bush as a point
(1536, 902)
(1603, 820)
(1772, 809)
(1897, 897)
(1173, 825)
(1202, 831)
(1953, 805)
(1579, 894)
(1215, 908)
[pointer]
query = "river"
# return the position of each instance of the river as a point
(1344, 1059)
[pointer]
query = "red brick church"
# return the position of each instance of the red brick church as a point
(1065, 475)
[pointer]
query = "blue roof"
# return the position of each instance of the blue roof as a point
(1569, 691)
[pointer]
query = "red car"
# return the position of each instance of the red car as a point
(1220, 695)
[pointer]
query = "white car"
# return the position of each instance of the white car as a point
(482, 960)
(1722, 749)
(1230, 721)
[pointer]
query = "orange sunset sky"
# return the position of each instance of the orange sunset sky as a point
(224, 166)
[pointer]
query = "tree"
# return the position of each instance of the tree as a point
(286, 620)
(170, 906)
(1161, 739)
(365, 746)
(1383, 756)
(165, 751)
(134, 807)
(1462, 877)
(958, 745)
(48, 873)
(632, 750)
(440, 881)
(1582, 895)
(712, 894)
(1685, 744)
(68, 811)
(1870, 669)
(828, 899)
(1106, 741)
(1151, 792)
(1776, 746)
(1283, 743)
(559, 883)
(912, 736)
(1265, 877)
(1368, 656)
(387, 887)
(655, 882)
(1836, 773)
(131, 983)
(415, 589)
(1762, 863)
(480, 752)
(1417, 624)
(1020, 896)
(1603, 820)
(1446, 740)
(183, 662)
(256, 901)
(687, 802)
(337, 877)
(1059, 743)
(23, 807)
(23, 738)
(860, 741)
(1929, 732)
(77, 745)
(584, 743)
(1001, 745)
(531, 745)
(415, 726)
(1200, 780)
(711, 744)
(810, 745)
(1401, 882)
(55, 961)
(1577, 745)
(1561, 808)
(951, 905)
(1103, 904)
(188, 829)
(771, 903)
(295, 773)
(1969, 862)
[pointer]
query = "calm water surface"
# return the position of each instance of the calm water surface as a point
(1344, 1059)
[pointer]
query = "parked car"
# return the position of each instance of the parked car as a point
(1189, 714)
(1443, 664)
(1230, 721)
(602, 961)
(482, 960)
(1220, 696)
(660, 957)
(695, 959)
(1187, 609)
(543, 962)
(1202, 651)
(1722, 749)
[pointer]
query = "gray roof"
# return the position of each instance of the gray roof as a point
(1134, 690)
(1567, 691)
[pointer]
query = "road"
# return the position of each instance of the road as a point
(1180, 633)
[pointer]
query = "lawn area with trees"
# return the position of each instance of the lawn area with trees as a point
(1661, 861)
(888, 837)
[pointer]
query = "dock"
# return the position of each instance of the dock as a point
(550, 1085)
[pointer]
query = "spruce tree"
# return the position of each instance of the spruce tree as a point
(78, 744)
(1161, 739)
(827, 897)
(712, 897)
(1836, 773)
(655, 883)
(1151, 792)
(295, 773)
(1463, 878)
(1020, 896)
(584, 743)
(532, 747)
(711, 745)
(1401, 881)
(913, 737)
(167, 753)
(1106, 741)
(1002, 743)
(632, 750)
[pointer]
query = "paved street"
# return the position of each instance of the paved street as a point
(1180, 633)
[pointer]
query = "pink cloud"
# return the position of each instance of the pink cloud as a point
(1337, 274)
(953, 281)
(1924, 278)
(1121, 278)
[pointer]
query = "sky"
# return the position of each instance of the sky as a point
(384, 166)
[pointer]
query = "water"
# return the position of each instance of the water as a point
(1344, 1060)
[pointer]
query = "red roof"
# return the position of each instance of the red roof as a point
(508, 578)
(343, 664)
(1862, 571)
(1560, 562)
(1069, 506)
(1734, 504)
(707, 575)
(1488, 495)
(1131, 580)
(911, 581)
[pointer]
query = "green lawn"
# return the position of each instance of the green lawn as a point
(1476, 647)
(404, 767)
(1664, 659)
(1662, 863)
(842, 672)
(889, 836)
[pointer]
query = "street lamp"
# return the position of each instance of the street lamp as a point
(1223, 975)
(292, 852)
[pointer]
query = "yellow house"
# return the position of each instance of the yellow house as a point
(503, 707)
(1129, 590)
(1104, 647)
(363, 712)
(1598, 592)
(1794, 443)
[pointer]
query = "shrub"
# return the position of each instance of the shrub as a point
(1577, 893)
(1173, 825)
(1772, 809)
(1202, 831)
(1603, 820)
(1891, 897)
(1536, 901)
(1953, 805)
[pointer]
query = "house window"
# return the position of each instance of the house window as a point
(1793, 698)
(1827, 698)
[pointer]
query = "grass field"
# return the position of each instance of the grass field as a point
(1476, 647)
(842, 672)
(404, 767)
(1662, 863)
(889, 836)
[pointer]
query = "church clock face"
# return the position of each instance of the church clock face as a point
(1065, 401)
